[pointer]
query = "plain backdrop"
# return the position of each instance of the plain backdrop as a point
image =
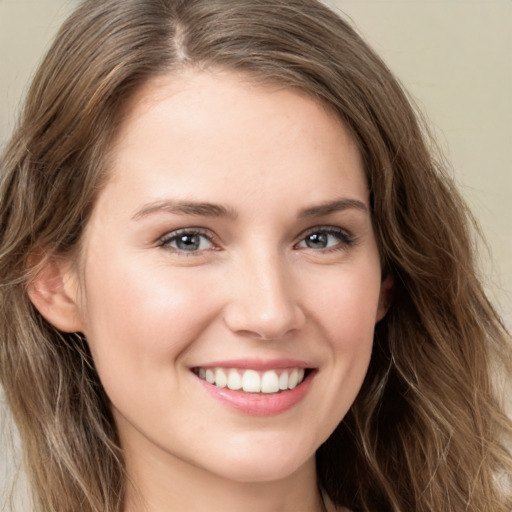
(454, 57)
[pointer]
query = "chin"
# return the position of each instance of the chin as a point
(262, 466)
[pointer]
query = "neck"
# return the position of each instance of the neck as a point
(155, 486)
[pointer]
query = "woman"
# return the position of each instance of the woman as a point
(234, 278)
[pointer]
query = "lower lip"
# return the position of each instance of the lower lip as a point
(260, 404)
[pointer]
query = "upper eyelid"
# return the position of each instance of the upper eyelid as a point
(327, 229)
(324, 227)
(347, 238)
(214, 239)
(170, 235)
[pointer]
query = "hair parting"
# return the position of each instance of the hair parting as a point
(427, 431)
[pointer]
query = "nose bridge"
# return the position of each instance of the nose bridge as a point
(263, 302)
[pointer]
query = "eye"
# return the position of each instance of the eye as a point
(187, 241)
(326, 238)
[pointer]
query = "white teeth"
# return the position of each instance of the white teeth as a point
(283, 381)
(210, 376)
(252, 381)
(293, 379)
(234, 380)
(220, 378)
(270, 382)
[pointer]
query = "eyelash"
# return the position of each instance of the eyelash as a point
(168, 238)
(346, 239)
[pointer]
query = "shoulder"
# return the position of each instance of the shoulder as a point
(329, 505)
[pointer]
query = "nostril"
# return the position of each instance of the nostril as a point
(249, 321)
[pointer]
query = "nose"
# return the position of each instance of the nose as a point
(263, 300)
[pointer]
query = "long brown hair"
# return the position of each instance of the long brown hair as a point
(427, 431)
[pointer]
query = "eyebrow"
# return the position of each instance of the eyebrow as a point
(202, 209)
(205, 209)
(332, 207)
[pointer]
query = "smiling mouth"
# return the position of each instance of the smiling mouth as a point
(253, 381)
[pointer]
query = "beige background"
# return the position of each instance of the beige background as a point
(454, 56)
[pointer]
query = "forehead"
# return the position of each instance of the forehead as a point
(196, 132)
(213, 89)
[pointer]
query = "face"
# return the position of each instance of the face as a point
(230, 278)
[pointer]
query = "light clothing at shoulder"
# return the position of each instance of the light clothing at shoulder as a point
(329, 505)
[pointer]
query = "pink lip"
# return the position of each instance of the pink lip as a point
(259, 404)
(259, 364)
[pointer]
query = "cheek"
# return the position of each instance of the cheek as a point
(347, 305)
(137, 313)
(346, 313)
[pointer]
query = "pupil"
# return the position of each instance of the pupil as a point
(188, 242)
(317, 241)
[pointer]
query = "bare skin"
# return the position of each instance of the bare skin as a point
(235, 227)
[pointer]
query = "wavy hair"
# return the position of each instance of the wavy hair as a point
(427, 431)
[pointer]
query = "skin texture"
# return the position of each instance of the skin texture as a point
(253, 289)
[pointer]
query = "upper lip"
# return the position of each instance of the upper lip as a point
(258, 364)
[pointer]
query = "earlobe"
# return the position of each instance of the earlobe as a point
(386, 294)
(54, 293)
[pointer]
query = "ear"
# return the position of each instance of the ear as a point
(54, 292)
(386, 294)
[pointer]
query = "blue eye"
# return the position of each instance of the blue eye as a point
(187, 241)
(326, 238)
